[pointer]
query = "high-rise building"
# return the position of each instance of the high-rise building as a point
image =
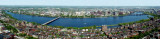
(104, 28)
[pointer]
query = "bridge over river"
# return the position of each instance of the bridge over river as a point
(50, 21)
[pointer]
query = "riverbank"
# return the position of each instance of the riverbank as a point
(143, 20)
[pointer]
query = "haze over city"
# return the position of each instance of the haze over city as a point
(82, 2)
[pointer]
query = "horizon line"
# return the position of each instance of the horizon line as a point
(49, 5)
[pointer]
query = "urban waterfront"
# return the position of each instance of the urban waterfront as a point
(80, 19)
(82, 22)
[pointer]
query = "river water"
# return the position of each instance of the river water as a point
(82, 22)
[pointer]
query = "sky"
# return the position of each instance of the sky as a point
(82, 2)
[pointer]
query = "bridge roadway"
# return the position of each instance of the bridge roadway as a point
(51, 21)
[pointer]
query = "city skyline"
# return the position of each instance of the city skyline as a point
(82, 2)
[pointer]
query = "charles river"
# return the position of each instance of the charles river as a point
(81, 22)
